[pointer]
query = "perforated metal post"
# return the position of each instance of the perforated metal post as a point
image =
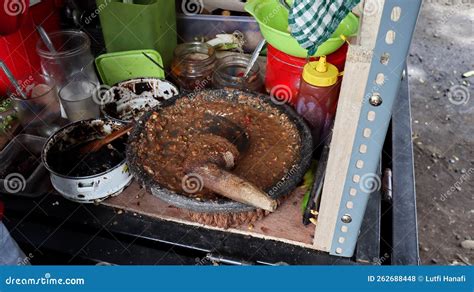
(391, 50)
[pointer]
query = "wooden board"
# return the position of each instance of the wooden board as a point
(285, 224)
(356, 73)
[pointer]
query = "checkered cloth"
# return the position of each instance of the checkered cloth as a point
(312, 22)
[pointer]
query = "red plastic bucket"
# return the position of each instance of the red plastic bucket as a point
(283, 74)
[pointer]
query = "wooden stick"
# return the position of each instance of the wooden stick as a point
(95, 145)
(356, 74)
(234, 187)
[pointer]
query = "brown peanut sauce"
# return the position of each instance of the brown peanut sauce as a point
(172, 138)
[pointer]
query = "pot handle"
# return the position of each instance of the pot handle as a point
(86, 187)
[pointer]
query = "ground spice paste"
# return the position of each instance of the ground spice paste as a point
(172, 140)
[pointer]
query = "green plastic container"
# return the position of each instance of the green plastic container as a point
(116, 67)
(273, 20)
(145, 24)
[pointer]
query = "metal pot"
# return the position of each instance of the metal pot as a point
(85, 188)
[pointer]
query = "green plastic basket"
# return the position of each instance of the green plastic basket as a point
(116, 67)
(145, 24)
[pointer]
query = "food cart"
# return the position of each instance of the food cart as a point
(364, 213)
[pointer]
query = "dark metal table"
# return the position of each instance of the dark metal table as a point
(52, 230)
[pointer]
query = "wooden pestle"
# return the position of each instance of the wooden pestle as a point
(233, 187)
(213, 167)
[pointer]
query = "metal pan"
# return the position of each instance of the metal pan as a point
(15, 183)
(284, 186)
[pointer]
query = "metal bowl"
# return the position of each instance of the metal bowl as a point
(128, 100)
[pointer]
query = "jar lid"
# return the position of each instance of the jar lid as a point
(320, 73)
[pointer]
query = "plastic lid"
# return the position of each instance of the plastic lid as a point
(320, 73)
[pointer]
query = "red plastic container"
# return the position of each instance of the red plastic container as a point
(18, 48)
(12, 15)
(283, 74)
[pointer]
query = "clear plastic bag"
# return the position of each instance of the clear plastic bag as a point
(10, 252)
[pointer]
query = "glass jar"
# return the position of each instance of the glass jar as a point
(72, 58)
(39, 113)
(79, 99)
(230, 71)
(193, 64)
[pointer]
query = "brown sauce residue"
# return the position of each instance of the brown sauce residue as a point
(172, 138)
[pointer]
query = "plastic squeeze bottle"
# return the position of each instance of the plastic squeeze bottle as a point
(317, 99)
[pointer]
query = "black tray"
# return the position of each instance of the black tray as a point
(34, 185)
